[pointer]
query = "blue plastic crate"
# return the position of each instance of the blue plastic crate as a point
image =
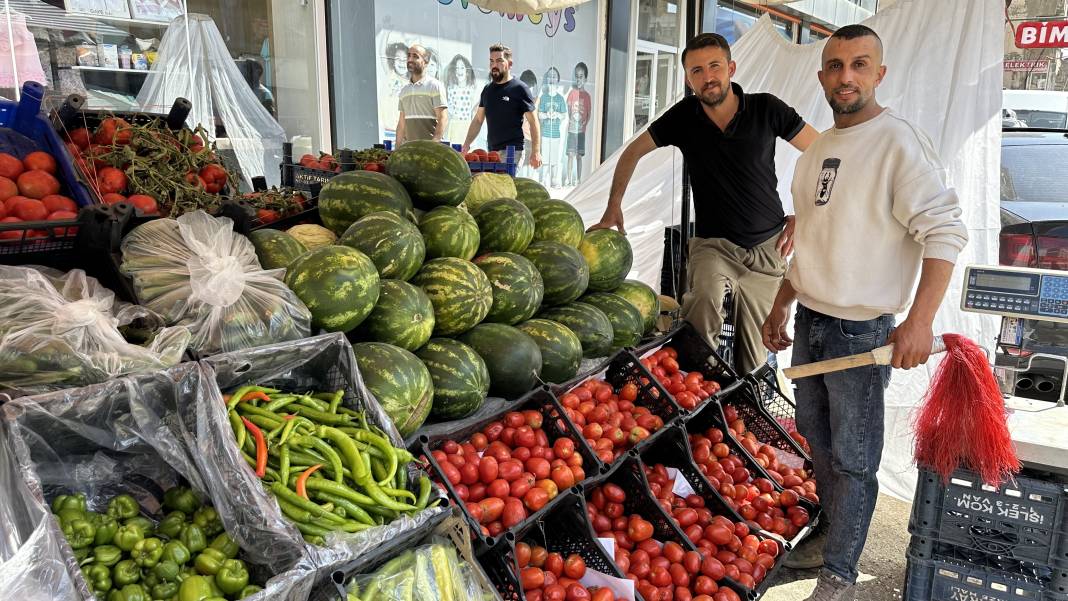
(508, 165)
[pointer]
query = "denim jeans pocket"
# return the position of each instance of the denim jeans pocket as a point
(859, 330)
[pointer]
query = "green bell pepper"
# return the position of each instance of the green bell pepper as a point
(126, 572)
(147, 552)
(149, 578)
(167, 571)
(176, 552)
(69, 502)
(108, 555)
(69, 515)
(208, 520)
(98, 576)
(145, 523)
(209, 561)
(171, 525)
(195, 588)
(165, 590)
(215, 599)
(128, 536)
(80, 533)
(181, 498)
(249, 590)
(193, 538)
(232, 576)
(123, 507)
(106, 526)
(130, 592)
(226, 544)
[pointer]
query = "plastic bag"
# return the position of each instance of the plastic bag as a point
(196, 271)
(62, 329)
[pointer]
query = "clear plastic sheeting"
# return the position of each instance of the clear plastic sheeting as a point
(194, 63)
(196, 271)
(62, 329)
(38, 571)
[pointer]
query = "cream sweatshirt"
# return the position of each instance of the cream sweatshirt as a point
(871, 202)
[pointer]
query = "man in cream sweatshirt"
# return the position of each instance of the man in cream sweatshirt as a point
(873, 213)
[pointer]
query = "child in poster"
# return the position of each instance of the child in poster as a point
(552, 109)
(579, 106)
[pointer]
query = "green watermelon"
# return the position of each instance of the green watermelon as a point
(460, 292)
(563, 271)
(626, 320)
(488, 186)
(353, 194)
(403, 317)
(461, 378)
(589, 323)
(528, 191)
(393, 243)
(504, 225)
(512, 357)
(558, 221)
(433, 173)
(644, 299)
(561, 350)
(609, 256)
(449, 232)
(275, 249)
(399, 381)
(339, 285)
(517, 287)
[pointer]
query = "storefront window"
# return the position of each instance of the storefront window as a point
(731, 19)
(658, 21)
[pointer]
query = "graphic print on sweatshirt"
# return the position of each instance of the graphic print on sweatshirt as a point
(825, 183)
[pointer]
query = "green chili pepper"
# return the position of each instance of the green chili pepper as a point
(107, 555)
(165, 590)
(237, 395)
(145, 523)
(226, 544)
(80, 533)
(249, 590)
(167, 571)
(181, 498)
(287, 431)
(282, 492)
(238, 427)
(327, 451)
(232, 576)
(128, 536)
(123, 507)
(209, 521)
(126, 572)
(425, 487)
(147, 552)
(321, 417)
(209, 561)
(352, 510)
(283, 463)
(69, 502)
(106, 527)
(193, 538)
(336, 400)
(98, 576)
(175, 551)
(195, 588)
(171, 525)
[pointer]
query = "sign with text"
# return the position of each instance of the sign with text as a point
(1039, 65)
(1042, 34)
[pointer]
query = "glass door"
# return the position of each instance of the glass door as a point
(656, 81)
(644, 76)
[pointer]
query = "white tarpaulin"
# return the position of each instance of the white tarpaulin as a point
(943, 61)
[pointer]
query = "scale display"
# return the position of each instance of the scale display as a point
(1016, 292)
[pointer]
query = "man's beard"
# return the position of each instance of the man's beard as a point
(497, 76)
(846, 109)
(415, 69)
(712, 100)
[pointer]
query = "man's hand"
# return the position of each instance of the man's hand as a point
(466, 147)
(912, 344)
(785, 244)
(773, 332)
(612, 218)
(535, 159)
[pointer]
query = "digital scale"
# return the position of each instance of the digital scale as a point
(1016, 292)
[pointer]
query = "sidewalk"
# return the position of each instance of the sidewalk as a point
(882, 566)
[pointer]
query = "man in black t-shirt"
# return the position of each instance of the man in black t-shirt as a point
(743, 237)
(505, 102)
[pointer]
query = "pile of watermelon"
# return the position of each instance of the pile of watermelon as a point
(466, 301)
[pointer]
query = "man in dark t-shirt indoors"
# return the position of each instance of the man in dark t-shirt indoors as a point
(743, 236)
(504, 103)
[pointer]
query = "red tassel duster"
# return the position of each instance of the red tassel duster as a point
(961, 422)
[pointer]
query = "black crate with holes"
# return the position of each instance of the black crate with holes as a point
(694, 354)
(746, 402)
(771, 398)
(936, 572)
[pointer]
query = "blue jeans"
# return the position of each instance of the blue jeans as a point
(841, 415)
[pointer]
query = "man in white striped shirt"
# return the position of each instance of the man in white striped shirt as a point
(424, 114)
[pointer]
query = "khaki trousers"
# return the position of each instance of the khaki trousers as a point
(753, 274)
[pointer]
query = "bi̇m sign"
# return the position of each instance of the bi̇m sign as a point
(1042, 34)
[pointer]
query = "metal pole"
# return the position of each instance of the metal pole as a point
(693, 27)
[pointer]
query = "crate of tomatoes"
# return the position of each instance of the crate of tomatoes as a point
(690, 369)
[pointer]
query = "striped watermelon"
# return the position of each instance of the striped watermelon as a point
(339, 285)
(433, 173)
(399, 381)
(561, 350)
(563, 271)
(461, 378)
(393, 243)
(275, 249)
(517, 287)
(609, 256)
(644, 300)
(626, 320)
(504, 225)
(528, 191)
(589, 323)
(353, 194)
(403, 317)
(460, 292)
(512, 357)
(558, 221)
(449, 232)
(486, 187)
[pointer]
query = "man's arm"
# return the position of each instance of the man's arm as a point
(535, 140)
(442, 114)
(773, 332)
(475, 127)
(400, 129)
(912, 339)
(613, 214)
(804, 137)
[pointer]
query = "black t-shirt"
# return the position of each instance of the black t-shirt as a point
(505, 105)
(732, 172)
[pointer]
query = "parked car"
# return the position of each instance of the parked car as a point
(1034, 233)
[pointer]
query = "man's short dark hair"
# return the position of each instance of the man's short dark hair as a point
(852, 32)
(503, 49)
(707, 40)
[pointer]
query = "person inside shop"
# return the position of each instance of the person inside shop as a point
(506, 103)
(743, 236)
(424, 114)
(873, 213)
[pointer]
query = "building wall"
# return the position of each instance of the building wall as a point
(1055, 76)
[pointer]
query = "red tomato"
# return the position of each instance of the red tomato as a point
(80, 138)
(577, 592)
(554, 592)
(113, 130)
(514, 512)
(602, 594)
(492, 508)
(10, 166)
(554, 562)
(29, 209)
(522, 554)
(639, 530)
(574, 566)
(535, 499)
(37, 184)
(487, 470)
(57, 202)
(531, 578)
(39, 160)
(538, 556)
(521, 485)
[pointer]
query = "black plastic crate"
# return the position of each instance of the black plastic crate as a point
(746, 400)
(694, 354)
(1025, 520)
(556, 425)
(948, 577)
(771, 398)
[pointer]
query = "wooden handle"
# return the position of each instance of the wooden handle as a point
(879, 356)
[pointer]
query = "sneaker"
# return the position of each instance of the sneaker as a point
(831, 588)
(808, 555)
